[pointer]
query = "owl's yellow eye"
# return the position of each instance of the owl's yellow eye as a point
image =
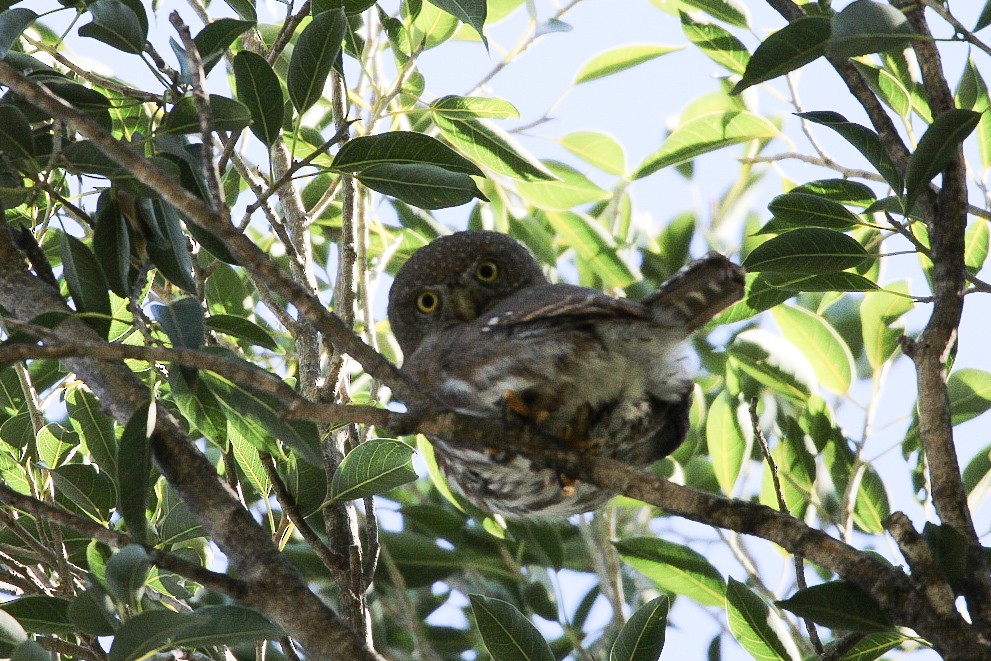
(487, 271)
(427, 302)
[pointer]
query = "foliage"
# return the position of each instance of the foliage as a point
(173, 388)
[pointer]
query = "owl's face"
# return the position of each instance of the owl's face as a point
(453, 280)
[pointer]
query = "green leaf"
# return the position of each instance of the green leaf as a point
(878, 311)
(984, 19)
(594, 246)
(729, 436)
(820, 343)
(806, 251)
(253, 409)
(727, 11)
(117, 25)
(760, 630)
(112, 242)
(16, 141)
(13, 22)
(171, 257)
(258, 88)
(87, 286)
(619, 59)
(570, 189)
(865, 140)
(249, 460)
(871, 507)
(54, 443)
(674, 568)
(10, 630)
(841, 281)
(704, 134)
(400, 148)
(470, 12)
(93, 612)
(127, 571)
(214, 39)
(317, 51)
(473, 107)
(792, 47)
(242, 329)
(716, 42)
(936, 148)
(244, 8)
(838, 605)
(94, 427)
(865, 26)
(775, 362)
(507, 634)
(134, 471)
(228, 115)
(598, 149)
(491, 148)
(91, 491)
(182, 321)
(888, 87)
(421, 184)
(371, 468)
(41, 614)
(642, 637)
(972, 94)
(976, 242)
(29, 650)
(796, 210)
(758, 296)
(843, 191)
(873, 646)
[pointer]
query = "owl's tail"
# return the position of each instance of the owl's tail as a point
(697, 293)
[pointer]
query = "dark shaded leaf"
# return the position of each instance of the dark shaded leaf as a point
(936, 148)
(507, 634)
(112, 242)
(16, 140)
(228, 115)
(134, 471)
(806, 252)
(13, 22)
(792, 47)
(214, 39)
(838, 605)
(127, 571)
(258, 88)
(182, 321)
(470, 12)
(243, 329)
(756, 627)
(865, 140)
(317, 50)
(642, 637)
(93, 613)
(400, 148)
(865, 26)
(87, 286)
(372, 468)
(421, 185)
(117, 25)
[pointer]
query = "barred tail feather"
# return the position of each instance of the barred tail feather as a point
(697, 293)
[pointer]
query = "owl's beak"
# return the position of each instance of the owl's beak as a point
(464, 307)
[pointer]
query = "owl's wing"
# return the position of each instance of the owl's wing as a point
(559, 302)
(696, 294)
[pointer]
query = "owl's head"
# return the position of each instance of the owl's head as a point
(454, 279)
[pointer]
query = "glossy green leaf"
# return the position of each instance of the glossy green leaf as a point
(244, 8)
(758, 296)
(866, 26)
(888, 88)
(13, 22)
(704, 134)
(91, 491)
(936, 148)
(760, 630)
(878, 312)
(242, 329)
(863, 139)
(506, 633)
(792, 47)
(798, 282)
(491, 148)
(820, 343)
(469, 12)
(594, 246)
(798, 210)
(729, 437)
(473, 107)
(838, 605)
(972, 94)
(716, 42)
(317, 51)
(570, 189)
(642, 637)
(112, 242)
(134, 471)
(41, 614)
(598, 149)
(54, 443)
(87, 286)
(214, 39)
(249, 461)
(806, 251)
(258, 88)
(421, 184)
(228, 115)
(400, 148)
(844, 191)
(775, 362)
(674, 568)
(117, 25)
(371, 468)
(170, 256)
(619, 59)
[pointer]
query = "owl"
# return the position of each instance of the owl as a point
(483, 330)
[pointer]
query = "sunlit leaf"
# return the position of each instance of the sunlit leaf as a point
(820, 343)
(619, 59)
(760, 630)
(675, 568)
(507, 634)
(373, 467)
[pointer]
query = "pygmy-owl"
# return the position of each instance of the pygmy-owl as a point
(483, 330)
